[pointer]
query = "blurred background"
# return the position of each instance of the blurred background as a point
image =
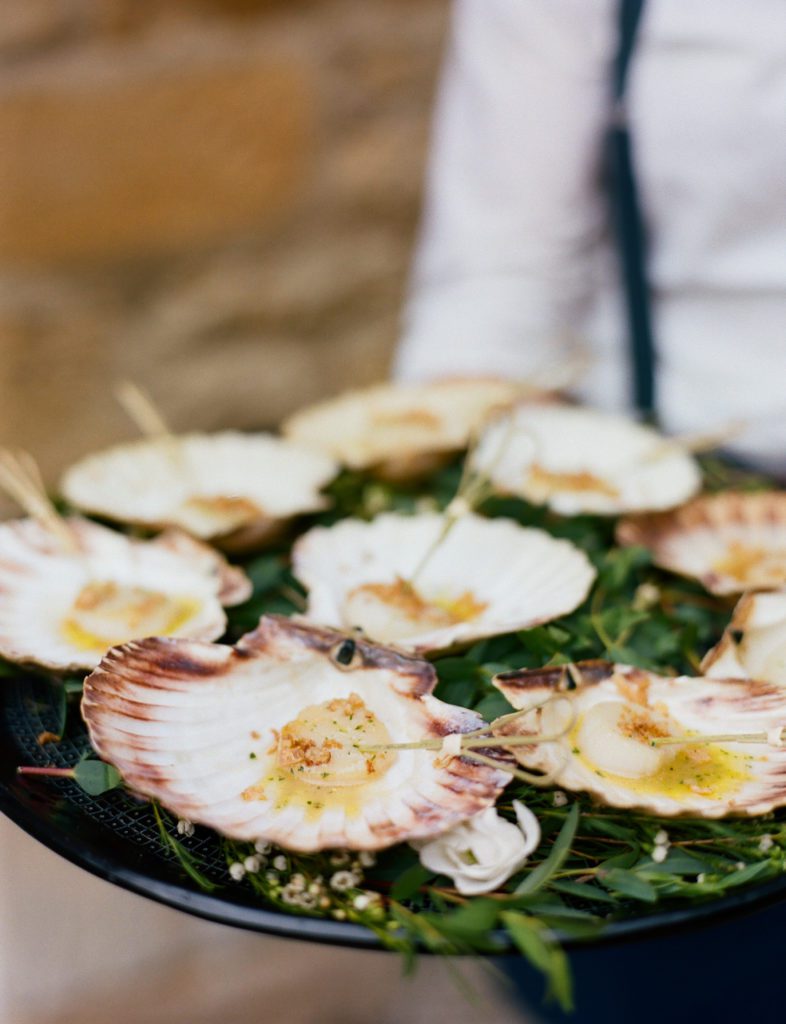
(216, 198)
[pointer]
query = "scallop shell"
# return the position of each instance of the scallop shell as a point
(754, 645)
(402, 431)
(730, 542)
(578, 460)
(237, 487)
(51, 596)
(616, 762)
(206, 729)
(488, 576)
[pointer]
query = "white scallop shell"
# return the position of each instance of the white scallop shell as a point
(730, 542)
(398, 428)
(578, 460)
(197, 727)
(697, 707)
(234, 486)
(754, 645)
(40, 581)
(520, 576)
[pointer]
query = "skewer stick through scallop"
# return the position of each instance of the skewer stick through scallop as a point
(141, 409)
(21, 479)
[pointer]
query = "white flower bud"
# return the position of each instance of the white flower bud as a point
(236, 871)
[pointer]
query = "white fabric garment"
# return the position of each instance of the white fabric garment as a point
(515, 253)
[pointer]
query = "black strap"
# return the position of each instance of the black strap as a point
(627, 219)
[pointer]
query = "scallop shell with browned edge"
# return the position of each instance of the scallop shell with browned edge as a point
(62, 608)
(578, 460)
(754, 644)
(237, 489)
(730, 542)
(604, 727)
(401, 579)
(402, 431)
(286, 737)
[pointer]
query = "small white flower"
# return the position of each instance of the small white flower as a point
(660, 853)
(484, 851)
(252, 864)
(362, 901)
(560, 798)
(662, 838)
(185, 827)
(765, 843)
(367, 858)
(236, 871)
(700, 878)
(340, 858)
(262, 847)
(740, 865)
(307, 901)
(342, 880)
(280, 863)
(647, 596)
(298, 882)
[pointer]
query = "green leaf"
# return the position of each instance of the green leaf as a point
(457, 691)
(265, 572)
(541, 874)
(95, 777)
(584, 890)
(744, 875)
(628, 884)
(470, 923)
(492, 706)
(676, 863)
(410, 881)
(537, 944)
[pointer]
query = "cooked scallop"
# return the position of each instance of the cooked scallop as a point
(402, 431)
(487, 576)
(63, 608)
(235, 488)
(287, 737)
(730, 542)
(754, 645)
(610, 726)
(578, 460)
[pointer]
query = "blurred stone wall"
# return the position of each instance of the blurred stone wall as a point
(216, 198)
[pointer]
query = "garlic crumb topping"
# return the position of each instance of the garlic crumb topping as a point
(327, 744)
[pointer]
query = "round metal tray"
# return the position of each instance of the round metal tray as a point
(116, 838)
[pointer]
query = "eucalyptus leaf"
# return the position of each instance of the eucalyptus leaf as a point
(541, 874)
(536, 942)
(96, 777)
(410, 881)
(629, 884)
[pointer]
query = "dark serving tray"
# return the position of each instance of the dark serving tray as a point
(116, 838)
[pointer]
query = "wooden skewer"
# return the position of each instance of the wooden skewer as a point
(148, 418)
(21, 479)
(559, 375)
(140, 408)
(697, 442)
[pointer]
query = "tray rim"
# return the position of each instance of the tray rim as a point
(178, 895)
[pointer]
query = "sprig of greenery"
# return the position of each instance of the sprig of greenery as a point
(595, 866)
